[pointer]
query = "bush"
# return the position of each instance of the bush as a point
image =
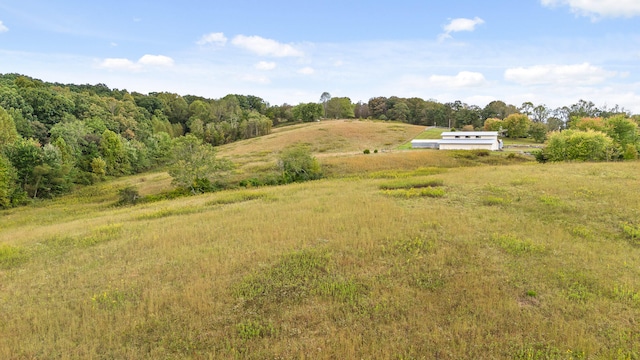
(630, 152)
(366, 151)
(580, 145)
(297, 164)
(128, 196)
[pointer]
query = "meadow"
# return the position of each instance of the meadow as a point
(395, 255)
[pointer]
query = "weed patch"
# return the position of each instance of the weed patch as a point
(577, 286)
(631, 232)
(248, 330)
(113, 298)
(344, 291)
(413, 246)
(494, 201)
(431, 280)
(292, 279)
(413, 193)
(11, 256)
(515, 246)
(550, 200)
(627, 294)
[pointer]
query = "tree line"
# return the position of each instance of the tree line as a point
(54, 135)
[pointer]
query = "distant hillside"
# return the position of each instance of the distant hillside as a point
(327, 137)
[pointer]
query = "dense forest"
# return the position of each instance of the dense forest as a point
(53, 135)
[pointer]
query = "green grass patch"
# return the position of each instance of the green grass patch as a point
(516, 246)
(292, 279)
(415, 246)
(431, 134)
(550, 200)
(170, 212)
(414, 193)
(250, 329)
(11, 256)
(411, 184)
(626, 293)
(236, 197)
(631, 232)
(494, 201)
(398, 174)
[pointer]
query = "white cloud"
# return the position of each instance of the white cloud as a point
(599, 8)
(306, 71)
(463, 79)
(213, 38)
(156, 60)
(577, 74)
(265, 47)
(265, 65)
(258, 79)
(119, 64)
(460, 24)
(3, 28)
(144, 61)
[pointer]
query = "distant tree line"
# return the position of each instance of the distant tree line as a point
(53, 135)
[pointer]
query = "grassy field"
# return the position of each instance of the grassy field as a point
(396, 255)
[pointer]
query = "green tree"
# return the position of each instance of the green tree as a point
(8, 132)
(298, 164)
(538, 131)
(51, 176)
(399, 111)
(493, 124)
(516, 125)
(8, 186)
(378, 107)
(339, 108)
(324, 99)
(622, 130)
(307, 112)
(195, 166)
(99, 167)
(25, 155)
(113, 152)
(498, 109)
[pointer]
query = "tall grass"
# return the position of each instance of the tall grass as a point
(334, 268)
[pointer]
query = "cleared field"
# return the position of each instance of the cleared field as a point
(440, 256)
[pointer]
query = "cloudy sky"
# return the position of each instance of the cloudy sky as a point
(552, 52)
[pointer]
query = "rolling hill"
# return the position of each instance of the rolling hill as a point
(394, 255)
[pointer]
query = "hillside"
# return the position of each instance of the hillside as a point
(396, 255)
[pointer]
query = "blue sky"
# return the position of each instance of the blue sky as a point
(552, 52)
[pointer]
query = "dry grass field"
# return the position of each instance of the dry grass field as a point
(395, 255)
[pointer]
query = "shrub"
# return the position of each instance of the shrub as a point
(630, 152)
(128, 196)
(366, 151)
(580, 145)
(297, 164)
(375, 151)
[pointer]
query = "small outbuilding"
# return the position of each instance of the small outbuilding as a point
(462, 140)
(470, 140)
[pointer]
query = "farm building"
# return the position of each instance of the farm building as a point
(462, 140)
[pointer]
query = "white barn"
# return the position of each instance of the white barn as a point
(462, 140)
